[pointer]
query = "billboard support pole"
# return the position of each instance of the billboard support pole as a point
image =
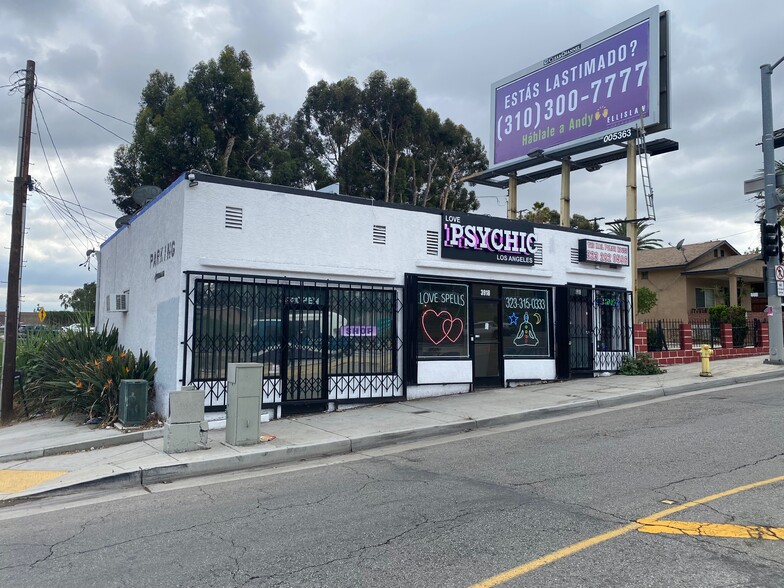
(631, 214)
(511, 212)
(772, 206)
(566, 170)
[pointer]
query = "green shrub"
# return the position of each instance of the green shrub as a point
(80, 371)
(641, 365)
(733, 315)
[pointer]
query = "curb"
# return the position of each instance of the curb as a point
(125, 438)
(288, 454)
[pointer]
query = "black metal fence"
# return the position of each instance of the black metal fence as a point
(745, 334)
(318, 341)
(663, 334)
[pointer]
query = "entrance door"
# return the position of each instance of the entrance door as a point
(580, 331)
(304, 357)
(487, 343)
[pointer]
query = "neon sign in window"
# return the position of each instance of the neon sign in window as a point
(443, 318)
(526, 315)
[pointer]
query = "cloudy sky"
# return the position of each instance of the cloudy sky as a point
(99, 53)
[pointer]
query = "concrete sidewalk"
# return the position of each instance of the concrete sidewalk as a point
(49, 456)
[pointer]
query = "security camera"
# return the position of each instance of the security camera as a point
(191, 177)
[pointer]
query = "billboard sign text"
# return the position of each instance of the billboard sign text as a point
(605, 84)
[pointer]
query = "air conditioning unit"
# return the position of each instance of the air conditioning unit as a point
(117, 302)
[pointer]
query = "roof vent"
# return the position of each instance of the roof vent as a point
(233, 217)
(379, 235)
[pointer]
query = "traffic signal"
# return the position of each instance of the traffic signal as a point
(770, 237)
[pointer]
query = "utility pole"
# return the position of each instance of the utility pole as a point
(772, 206)
(21, 184)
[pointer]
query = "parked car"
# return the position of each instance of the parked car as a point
(77, 327)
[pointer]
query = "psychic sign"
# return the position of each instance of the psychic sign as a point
(580, 94)
(473, 238)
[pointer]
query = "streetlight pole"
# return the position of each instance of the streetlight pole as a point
(772, 206)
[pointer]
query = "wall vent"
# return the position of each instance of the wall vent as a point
(432, 242)
(575, 255)
(379, 235)
(233, 217)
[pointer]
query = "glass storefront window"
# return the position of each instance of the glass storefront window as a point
(526, 322)
(443, 318)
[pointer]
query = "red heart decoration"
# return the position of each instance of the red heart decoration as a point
(450, 328)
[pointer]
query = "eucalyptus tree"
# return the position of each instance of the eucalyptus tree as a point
(387, 109)
(210, 123)
(331, 112)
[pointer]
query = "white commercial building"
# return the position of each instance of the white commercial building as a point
(348, 300)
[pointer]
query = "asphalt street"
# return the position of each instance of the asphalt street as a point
(562, 502)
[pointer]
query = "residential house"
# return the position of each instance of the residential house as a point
(689, 279)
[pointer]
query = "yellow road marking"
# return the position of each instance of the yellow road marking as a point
(590, 542)
(18, 480)
(554, 556)
(711, 529)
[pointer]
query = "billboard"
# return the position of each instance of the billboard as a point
(600, 88)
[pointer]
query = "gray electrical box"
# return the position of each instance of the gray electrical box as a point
(133, 402)
(186, 429)
(243, 403)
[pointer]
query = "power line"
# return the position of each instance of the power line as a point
(47, 93)
(37, 102)
(63, 203)
(50, 91)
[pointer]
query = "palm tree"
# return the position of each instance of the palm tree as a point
(644, 240)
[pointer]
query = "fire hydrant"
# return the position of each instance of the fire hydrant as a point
(705, 354)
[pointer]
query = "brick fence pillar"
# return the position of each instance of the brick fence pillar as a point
(685, 335)
(640, 338)
(726, 336)
(765, 335)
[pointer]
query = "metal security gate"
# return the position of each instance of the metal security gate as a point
(580, 331)
(599, 330)
(305, 354)
(318, 341)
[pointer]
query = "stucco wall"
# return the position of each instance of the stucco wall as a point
(144, 259)
(302, 236)
(670, 289)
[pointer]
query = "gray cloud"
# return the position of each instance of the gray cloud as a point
(101, 53)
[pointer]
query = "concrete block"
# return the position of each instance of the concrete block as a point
(186, 406)
(180, 437)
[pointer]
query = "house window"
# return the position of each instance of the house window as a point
(705, 297)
